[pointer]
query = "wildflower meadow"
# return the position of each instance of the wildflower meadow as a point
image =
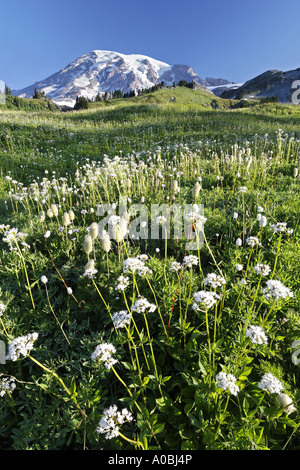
(115, 339)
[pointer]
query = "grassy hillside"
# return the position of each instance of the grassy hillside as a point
(175, 97)
(26, 104)
(198, 343)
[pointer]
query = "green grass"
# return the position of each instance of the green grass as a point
(167, 360)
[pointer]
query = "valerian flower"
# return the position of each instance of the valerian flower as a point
(111, 421)
(227, 382)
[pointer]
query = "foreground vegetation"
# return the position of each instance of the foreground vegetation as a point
(130, 342)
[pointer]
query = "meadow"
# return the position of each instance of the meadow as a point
(115, 340)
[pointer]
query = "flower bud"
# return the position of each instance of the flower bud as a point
(71, 215)
(50, 213)
(196, 190)
(66, 219)
(41, 216)
(54, 209)
(88, 244)
(94, 230)
(106, 243)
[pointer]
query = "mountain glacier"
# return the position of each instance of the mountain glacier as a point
(101, 71)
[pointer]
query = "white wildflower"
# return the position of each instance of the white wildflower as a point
(104, 353)
(276, 289)
(122, 284)
(7, 385)
(256, 335)
(279, 227)
(253, 241)
(2, 308)
(121, 319)
(111, 421)
(89, 269)
(214, 280)
(227, 382)
(142, 305)
(270, 384)
(175, 266)
(21, 346)
(190, 260)
(207, 299)
(238, 242)
(263, 221)
(44, 279)
(161, 219)
(135, 265)
(262, 269)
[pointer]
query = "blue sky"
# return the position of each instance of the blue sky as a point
(233, 39)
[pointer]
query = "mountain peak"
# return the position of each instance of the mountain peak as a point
(101, 71)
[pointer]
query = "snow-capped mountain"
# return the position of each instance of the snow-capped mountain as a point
(106, 71)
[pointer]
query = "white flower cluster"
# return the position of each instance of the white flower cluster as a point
(276, 289)
(262, 269)
(13, 237)
(281, 227)
(112, 420)
(214, 280)
(141, 305)
(175, 266)
(136, 265)
(21, 346)
(190, 260)
(242, 189)
(262, 219)
(103, 353)
(122, 284)
(7, 385)
(207, 299)
(160, 220)
(2, 308)
(89, 269)
(196, 218)
(227, 382)
(270, 383)
(256, 334)
(121, 319)
(253, 241)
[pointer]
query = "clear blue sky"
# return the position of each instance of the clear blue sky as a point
(233, 39)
